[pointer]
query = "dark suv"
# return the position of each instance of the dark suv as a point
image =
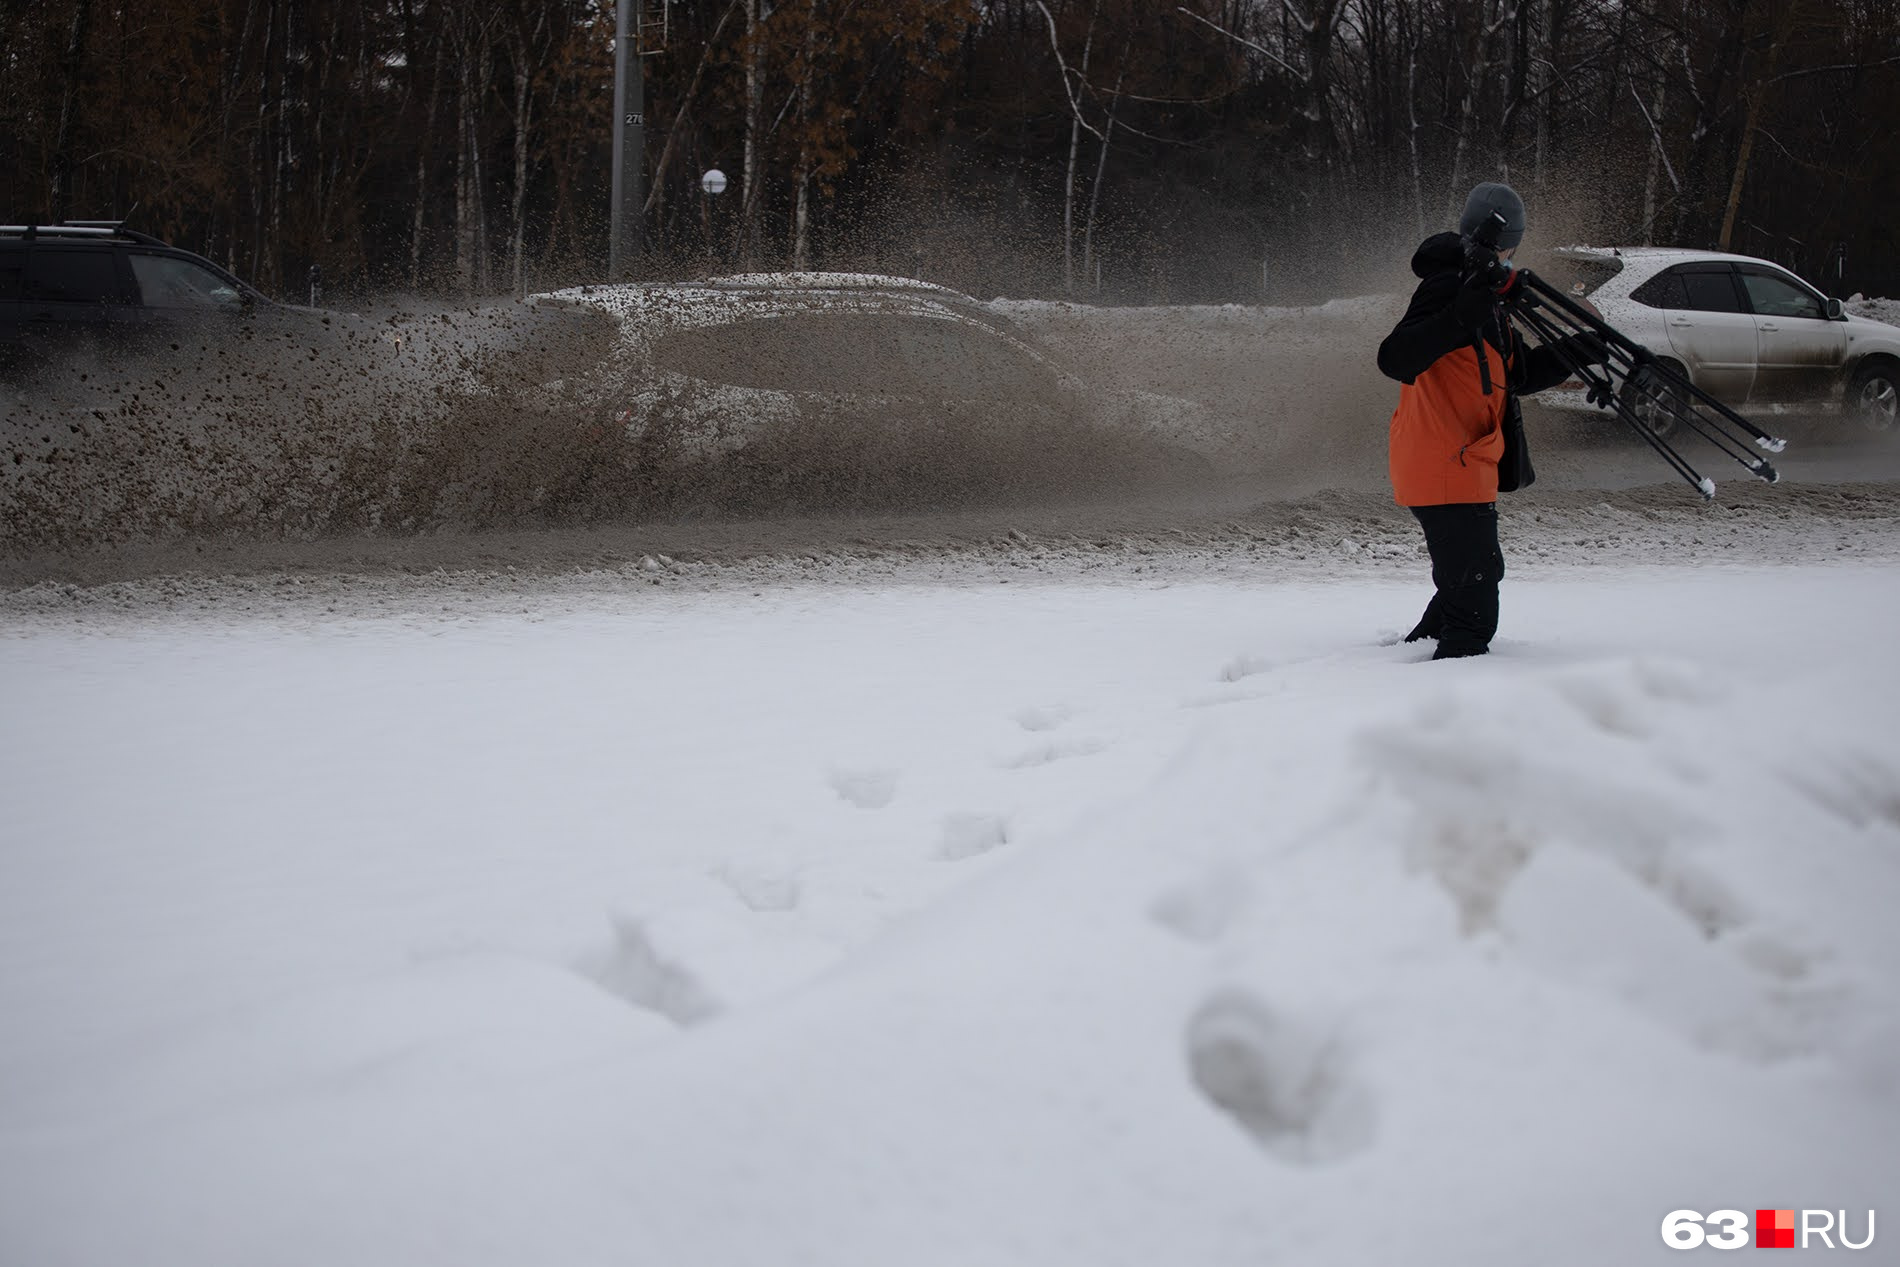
(102, 286)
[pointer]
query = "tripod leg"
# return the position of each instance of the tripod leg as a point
(1603, 390)
(1721, 425)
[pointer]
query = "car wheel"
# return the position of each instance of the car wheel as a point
(1654, 402)
(1874, 395)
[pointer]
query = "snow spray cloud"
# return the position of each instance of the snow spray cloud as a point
(513, 416)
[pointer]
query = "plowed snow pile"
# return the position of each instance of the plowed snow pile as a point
(1057, 923)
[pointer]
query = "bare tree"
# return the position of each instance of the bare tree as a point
(72, 67)
(1072, 85)
(524, 47)
(754, 126)
(1493, 16)
(1757, 97)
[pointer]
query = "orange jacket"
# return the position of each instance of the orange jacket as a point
(1447, 433)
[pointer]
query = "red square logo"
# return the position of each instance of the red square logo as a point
(1774, 1229)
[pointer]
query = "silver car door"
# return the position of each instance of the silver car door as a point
(1800, 354)
(1714, 335)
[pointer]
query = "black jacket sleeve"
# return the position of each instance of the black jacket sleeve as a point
(1426, 332)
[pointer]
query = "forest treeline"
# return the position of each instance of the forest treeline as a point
(1135, 149)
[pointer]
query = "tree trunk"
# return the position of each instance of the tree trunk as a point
(280, 170)
(484, 246)
(1101, 167)
(1075, 149)
(464, 180)
(423, 151)
(801, 210)
(1411, 112)
(1709, 110)
(526, 42)
(72, 66)
(1480, 61)
(262, 257)
(1316, 40)
(754, 142)
(518, 269)
(231, 88)
(471, 228)
(1646, 233)
(1779, 37)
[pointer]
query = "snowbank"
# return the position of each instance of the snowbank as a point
(1887, 310)
(1039, 312)
(1041, 923)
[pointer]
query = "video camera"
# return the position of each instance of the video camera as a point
(1482, 265)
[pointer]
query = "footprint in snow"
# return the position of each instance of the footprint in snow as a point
(1040, 718)
(1287, 1083)
(866, 789)
(971, 835)
(639, 969)
(1054, 750)
(1245, 666)
(762, 889)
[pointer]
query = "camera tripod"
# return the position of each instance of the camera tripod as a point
(1628, 379)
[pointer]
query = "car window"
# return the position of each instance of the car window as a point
(71, 276)
(1774, 296)
(1664, 290)
(1712, 291)
(858, 354)
(165, 281)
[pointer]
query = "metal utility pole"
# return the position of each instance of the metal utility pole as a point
(630, 132)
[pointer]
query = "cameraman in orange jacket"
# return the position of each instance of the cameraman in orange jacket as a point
(1461, 367)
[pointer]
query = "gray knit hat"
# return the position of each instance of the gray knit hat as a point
(1502, 199)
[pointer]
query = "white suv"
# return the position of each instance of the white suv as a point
(1744, 330)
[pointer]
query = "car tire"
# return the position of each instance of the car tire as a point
(1650, 407)
(1873, 396)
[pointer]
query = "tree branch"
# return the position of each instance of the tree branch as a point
(1822, 70)
(1240, 40)
(1661, 150)
(1068, 89)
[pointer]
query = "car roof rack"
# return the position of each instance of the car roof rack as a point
(80, 229)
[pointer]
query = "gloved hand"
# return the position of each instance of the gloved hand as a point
(1473, 303)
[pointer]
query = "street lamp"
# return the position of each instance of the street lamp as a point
(712, 184)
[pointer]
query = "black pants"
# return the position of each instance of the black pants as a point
(1466, 567)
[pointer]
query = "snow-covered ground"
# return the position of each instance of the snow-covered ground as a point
(1022, 918)
(1887, 310)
